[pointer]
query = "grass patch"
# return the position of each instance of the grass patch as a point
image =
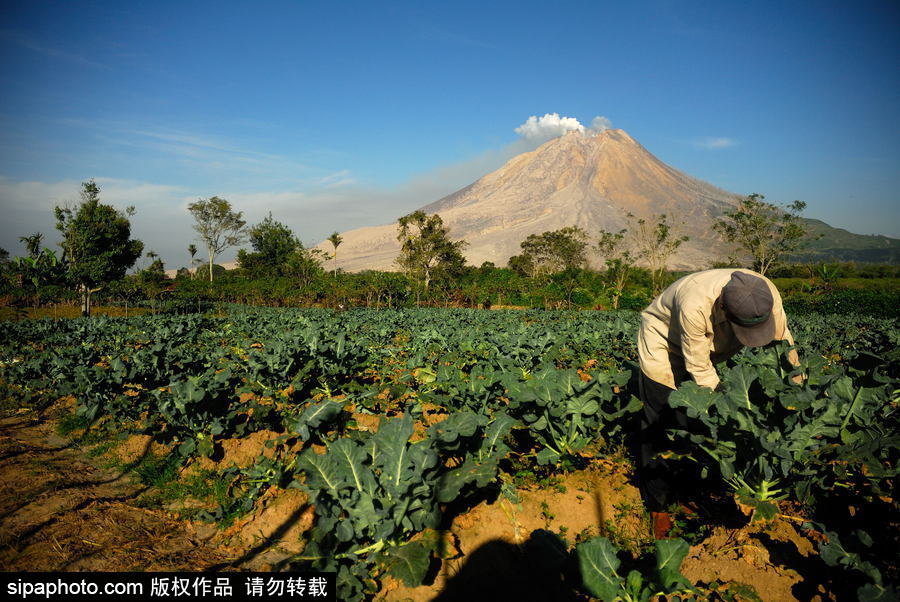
(200, 491)
(70, 423)
(83, 432)
(159, 471)
(102, 448)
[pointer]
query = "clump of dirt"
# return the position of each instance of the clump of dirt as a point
(757, 555)
(241, 452)
(367, 422)
(272, 533)
(433, 414)
(137, 447)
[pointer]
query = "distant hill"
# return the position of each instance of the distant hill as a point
(592, 181)
(837, 244)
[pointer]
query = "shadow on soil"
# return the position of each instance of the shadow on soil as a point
(269, 543)
(73, 487)
(540, 569)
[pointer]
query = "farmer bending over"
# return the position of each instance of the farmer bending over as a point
(700, 320)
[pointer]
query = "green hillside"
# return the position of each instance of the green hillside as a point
(837, 244)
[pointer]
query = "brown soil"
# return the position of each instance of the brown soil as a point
(62, 512)
(497, 545)
(61, 509)
(750, 556)
(367, 422)
(136, 447)
(71, 311)
(598, 501)
(241, 452)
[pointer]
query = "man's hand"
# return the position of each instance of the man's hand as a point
(798, 379)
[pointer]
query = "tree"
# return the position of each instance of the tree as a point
(218, 226)
(192, 249)
(151, 280)
(764, 231)
(521, 265)
(619, 261)
(655, 244)
(32, 244)
(153, 256)
(273, 244)
(128, 289)
(426, 251)
(335, 239)
(551, 252)
(304, 265)
(97, 244)
(39, 273)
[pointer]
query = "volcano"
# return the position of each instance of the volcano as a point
(585, 180)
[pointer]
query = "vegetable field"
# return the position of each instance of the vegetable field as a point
(395, 423)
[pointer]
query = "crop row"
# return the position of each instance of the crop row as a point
(538, 385)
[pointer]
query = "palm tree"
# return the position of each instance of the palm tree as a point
(335, 239)
(192, 249)
(33, 244)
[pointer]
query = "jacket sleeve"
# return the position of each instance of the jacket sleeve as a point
(695, 348)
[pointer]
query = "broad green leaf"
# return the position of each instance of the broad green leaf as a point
(737, 383)
(670, 554)
(635, 588)
(408, 562)
(582, 406)
(873, 592)
(459, 424)
(396, 466)
(598, 563)
(696, 400)
(499, 426)
(451, 483)
(547, 456)
(351, 459)
(315, 416)
(322, 472)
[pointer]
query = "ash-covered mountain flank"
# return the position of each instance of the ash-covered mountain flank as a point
(592, 181)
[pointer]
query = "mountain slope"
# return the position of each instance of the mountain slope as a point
(592, 181)
(837, 244)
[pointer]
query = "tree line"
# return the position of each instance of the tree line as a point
(551, 270)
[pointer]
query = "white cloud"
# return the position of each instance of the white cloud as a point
(337, 179)
(551, 125)
(715, 143)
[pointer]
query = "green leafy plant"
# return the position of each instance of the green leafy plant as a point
(600, 571)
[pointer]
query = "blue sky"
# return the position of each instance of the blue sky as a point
(335, 115)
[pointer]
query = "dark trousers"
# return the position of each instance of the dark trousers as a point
(660, 479)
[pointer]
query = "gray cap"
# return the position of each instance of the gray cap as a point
(748, 304)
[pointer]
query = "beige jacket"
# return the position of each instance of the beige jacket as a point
(685, 331)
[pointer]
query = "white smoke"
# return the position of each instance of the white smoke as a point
(551, 125)
(600, 124)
